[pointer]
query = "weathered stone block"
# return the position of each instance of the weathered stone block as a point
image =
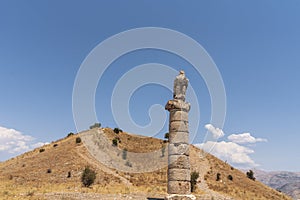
(179, 149)
(178, 115)
(177, 104)
(179, 175)
(179, 138)
(179, 187)
(181, 126)
(179, 162)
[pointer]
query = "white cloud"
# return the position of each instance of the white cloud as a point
(216, 132)
(14, 142)
(18, 146)
(230, 151)
(234, 151)
(245, 138)
(12, 134)
(38, 144)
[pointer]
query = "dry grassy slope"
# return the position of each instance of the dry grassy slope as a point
(26, 175)
(67, 156)
(240, 187)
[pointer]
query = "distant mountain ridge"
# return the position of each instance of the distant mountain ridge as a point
(287, 182)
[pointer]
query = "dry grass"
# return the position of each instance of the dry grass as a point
(240, 186)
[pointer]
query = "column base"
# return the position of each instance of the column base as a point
(180, 197)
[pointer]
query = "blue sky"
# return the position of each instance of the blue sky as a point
(255, 45)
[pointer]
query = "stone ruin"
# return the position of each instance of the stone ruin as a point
(179, 186)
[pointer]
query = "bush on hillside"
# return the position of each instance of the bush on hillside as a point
(96, 125)
(42, 150)
(115, 142)
(163, 150)
(167, 135)
(128, 164)
(194, 177)
(78, 140)
(117, 130)
(70, 134)
(124, 154)
(88, 176)
(250, 175)
(218, 177)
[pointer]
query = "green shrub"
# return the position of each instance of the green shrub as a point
(49, 171)
(88, 177)
(128, 164)
(194, 177)
(70, 134)
(42, 150)
(124, 154)
(117, 130)
(218, 177)
(167, 135)
(250, 175)
(230, 177)
(163, 150)
(96, 125)
(78, 140)
(55, 145)
(115, 142)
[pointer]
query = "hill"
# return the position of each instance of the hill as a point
(54, 171)
(287, 182)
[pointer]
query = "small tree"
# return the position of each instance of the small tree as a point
(88, 177)
(167, 136)
(70, 134)
(78, 140)
(115, 142)
(124, 154)
(250, 175)
(194, 177)
(128, 164)
(69, 174)
(163, 150)
(117, 130)
(96, 125)
(218, 177)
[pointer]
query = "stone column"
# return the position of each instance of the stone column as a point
(179, 187)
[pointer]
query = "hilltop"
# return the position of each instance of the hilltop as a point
(54, 170)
